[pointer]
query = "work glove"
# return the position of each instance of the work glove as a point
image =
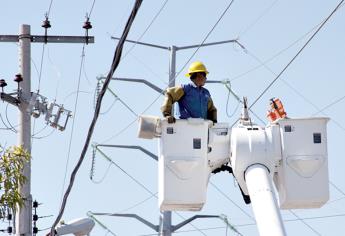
(170, 119)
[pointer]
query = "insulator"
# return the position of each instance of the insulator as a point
(35, 230)
(9, 217)
(35, 217)
(93, 163)
(87, 24)
(18, 78)
(46, 23)
(98, 90)
(35, 204)
(9, 229)
(3, 83)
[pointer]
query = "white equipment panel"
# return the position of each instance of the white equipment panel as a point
(218, 145)
(183, 166)
(302, 178)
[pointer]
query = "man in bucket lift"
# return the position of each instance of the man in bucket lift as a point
(193, 99)
(194, 102)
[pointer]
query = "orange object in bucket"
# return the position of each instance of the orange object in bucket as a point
(276, 110)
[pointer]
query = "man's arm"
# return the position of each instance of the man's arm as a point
(172, 95)
(211, 111)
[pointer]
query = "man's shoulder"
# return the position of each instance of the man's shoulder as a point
(175, 88)
(186, 87)
(205, 90)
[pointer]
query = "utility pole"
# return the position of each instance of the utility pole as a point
(165, 216)
(24, 214)
(24, 96)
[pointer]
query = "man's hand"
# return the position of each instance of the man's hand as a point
(170, 119)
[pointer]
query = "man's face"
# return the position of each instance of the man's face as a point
(200, 79)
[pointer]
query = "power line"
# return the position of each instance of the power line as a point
(257, 19)
(335, 200)
(203, 41)
(90, 12)
(147, 28)
(304, 218)
(232, 201)
(149, 69)
(196, 228)
(273, 56)
(73, 122)
(337, 188)
(50, 5)
(280, 52)
(8, 120)
(253, 224)
(139, 203)
(41, 68)
(329, 105)
(126, 173)
(121, 131)
(7, 128)
(305, 223)
(76, 104)
(262, 63)
(114, 65)
(45, 136)
(298, 53)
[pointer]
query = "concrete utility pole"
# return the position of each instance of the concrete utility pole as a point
(24, 214)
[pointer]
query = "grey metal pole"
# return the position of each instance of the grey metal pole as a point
(165, 216)
(172, 68)
(24, 214)
(165, 227)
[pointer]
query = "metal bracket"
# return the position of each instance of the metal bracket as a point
(8, 98)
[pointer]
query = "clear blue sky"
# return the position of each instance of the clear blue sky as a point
(314, 81)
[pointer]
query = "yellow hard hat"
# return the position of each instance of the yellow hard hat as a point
(196, 66)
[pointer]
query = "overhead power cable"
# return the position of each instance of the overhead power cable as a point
(147, 28)
(90, 12)
(233, 202)
(50, 6)
(139, 203)
(305, 223)
(275, 55)
(82, 61)
(74, 118)
(304, 218)
(203, 41)
(329, 105)
(114, 65)
(298, 53)
(337, 188)
(253, 224)
(262, 63)
(257, 19)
